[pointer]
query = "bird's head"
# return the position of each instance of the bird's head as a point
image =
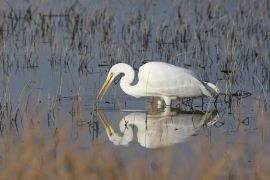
(115, 70)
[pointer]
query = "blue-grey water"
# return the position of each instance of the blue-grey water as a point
(54, 58)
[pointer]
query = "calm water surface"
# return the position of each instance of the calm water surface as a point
(54, 59)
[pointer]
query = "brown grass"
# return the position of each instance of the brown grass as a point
(36, 154)
(223, 42)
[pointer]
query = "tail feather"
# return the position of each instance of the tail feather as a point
(213, 89)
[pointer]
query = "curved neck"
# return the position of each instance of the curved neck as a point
(124, 138)
(126, 81)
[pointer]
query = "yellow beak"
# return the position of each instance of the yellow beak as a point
(105, 87)
(105, 123)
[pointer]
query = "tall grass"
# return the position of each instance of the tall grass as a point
(40, 155)
(73, 44)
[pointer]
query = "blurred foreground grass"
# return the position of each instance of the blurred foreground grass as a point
(226, 42)
(37, 155)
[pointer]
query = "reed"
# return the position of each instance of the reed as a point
(53, 59)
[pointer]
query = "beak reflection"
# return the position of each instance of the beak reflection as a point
(105, 122)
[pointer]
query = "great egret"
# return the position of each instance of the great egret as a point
(159, 79)
(160, 129)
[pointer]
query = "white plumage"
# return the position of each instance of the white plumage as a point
(161, 80)
(159, 129)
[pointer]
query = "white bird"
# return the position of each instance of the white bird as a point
(159, 79)
(160, 129)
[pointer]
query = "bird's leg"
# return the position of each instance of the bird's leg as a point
(167, 110)
(168, 100)
(159, 103)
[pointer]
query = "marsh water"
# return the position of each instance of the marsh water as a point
(54, 58)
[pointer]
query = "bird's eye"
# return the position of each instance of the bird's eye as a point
(117, 79)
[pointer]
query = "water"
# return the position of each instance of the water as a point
(55, 58)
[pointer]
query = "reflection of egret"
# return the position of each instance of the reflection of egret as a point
(158, 130)
(161, 80)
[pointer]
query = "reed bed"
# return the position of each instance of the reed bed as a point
(54, 57)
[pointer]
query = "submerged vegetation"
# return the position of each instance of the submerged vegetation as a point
(54, 57)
